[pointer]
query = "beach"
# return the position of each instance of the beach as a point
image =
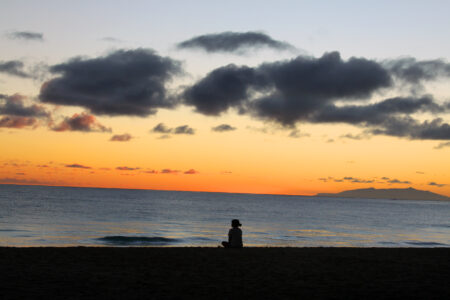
(213, 273)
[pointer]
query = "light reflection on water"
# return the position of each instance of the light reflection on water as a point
(49, 216)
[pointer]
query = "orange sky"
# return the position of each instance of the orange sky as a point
(95, 133)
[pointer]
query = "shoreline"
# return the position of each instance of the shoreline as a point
(207, 272)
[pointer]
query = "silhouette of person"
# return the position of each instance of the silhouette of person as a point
(234, 235)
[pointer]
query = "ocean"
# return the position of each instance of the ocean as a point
(67, 216)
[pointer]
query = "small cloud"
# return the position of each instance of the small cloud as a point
(356, 137)
(191, 172)
(385, 178)
(18, 122)
(226, 172)
(13, 67)
(110, 39)
(164, 137)
(105, 169)
(161, 128)
(169, 171)
(442, 145)
(223, 128)
(126, 169)
(297, 134)
(330, 141)
(20, 173)
(77, 166)
(81, 122)
(396, 181)
(26, 35)
(184, 129)
(151, 172)
(420, 172)
(234, 42)
(436, 184)
(121, 137)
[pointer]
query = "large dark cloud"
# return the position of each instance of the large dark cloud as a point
(125, 82)
(26, 35)
(325, 90)
(233, 42)
(13, 67)
(291, 90)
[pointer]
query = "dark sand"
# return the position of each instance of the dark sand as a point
(270, 273)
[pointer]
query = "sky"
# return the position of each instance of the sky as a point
(286, 97)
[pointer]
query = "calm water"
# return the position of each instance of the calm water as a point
(61, 216)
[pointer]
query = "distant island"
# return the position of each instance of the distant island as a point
(395, 194)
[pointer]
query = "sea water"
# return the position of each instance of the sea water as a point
(66, 216)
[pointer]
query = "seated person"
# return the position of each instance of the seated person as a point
(234, 236)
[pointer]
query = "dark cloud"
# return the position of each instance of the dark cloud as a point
(223, 88)
(223, 128)
(78, 166)
(125, 82)
(18, 122)
(289, 91)
(410, 128)
(14, 106)
(26, 35)
(13, 67)
(442, 145)
(126, 169)
(413, 71)
(184, 129)
(375, 114)
(436, 184)
(191, 172)
(81, 122)
(317, 90)
(121, 137)
(162, 128)
(233, 42)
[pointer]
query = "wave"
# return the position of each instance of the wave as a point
(120, 240)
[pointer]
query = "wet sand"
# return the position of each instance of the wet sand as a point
(212, 273)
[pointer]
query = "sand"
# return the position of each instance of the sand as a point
(212, 273)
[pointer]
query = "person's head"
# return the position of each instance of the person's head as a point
(235, 223)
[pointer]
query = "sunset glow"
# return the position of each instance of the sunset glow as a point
(297, 106)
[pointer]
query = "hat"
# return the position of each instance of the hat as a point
(235, 223)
